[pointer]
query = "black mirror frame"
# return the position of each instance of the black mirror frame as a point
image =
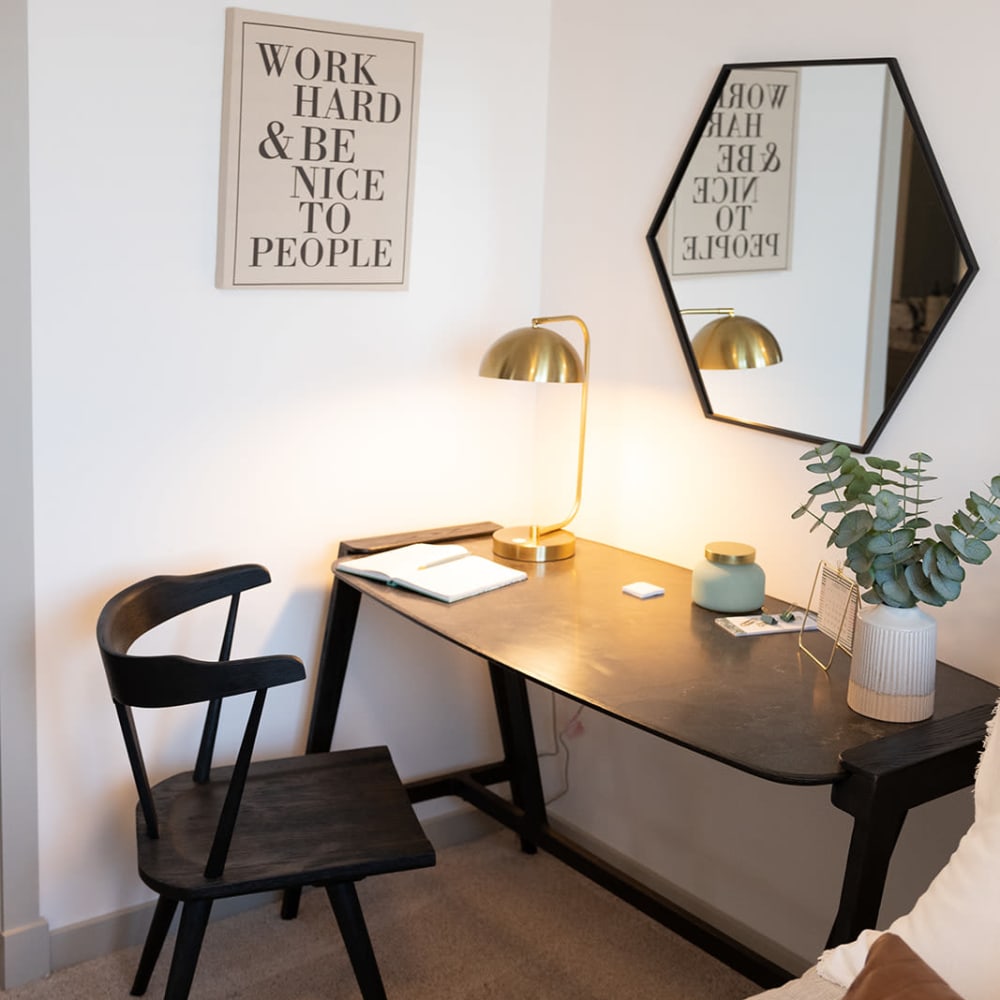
(972, 266)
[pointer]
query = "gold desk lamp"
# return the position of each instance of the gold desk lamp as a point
(732, 341)
(536, 354)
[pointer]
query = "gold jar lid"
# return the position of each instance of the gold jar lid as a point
(730, 553)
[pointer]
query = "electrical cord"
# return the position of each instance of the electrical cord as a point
(560, 746)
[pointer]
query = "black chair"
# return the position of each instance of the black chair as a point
(326, 819)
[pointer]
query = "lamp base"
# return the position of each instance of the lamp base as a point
(525, 545)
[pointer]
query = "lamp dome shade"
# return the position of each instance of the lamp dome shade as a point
(532, 354)
(735, 342)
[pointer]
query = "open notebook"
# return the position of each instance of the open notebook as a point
(445, 572)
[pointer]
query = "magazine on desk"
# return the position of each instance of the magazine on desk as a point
(445, 572)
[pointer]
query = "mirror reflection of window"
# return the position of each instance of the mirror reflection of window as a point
(928, 267)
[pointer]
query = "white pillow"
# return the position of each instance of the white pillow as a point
(955, 925)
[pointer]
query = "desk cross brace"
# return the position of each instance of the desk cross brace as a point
(525, 814)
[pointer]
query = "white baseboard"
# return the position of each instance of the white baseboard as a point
(24, 954)
(737, 930)
(127, 928)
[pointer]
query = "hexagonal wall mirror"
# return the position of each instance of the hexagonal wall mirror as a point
(808, 199)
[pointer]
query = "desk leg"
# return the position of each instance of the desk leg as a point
(878, 820)
(510, 694)
(341, 618)
(885, 779)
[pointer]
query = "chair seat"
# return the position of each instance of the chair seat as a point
(303, 820)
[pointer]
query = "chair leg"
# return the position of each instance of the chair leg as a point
(155, 936)
(347, 909)
(190, 933)
(290, 903)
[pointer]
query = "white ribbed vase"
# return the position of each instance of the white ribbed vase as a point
(894, 664)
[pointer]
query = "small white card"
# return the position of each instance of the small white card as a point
(643, 590)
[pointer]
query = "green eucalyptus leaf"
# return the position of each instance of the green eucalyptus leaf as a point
(882, 463)
(995, 486)
(896, 592)
(944, 533)
(980, 501)
(824, 467)
(838, 506)
(819, 451)
(880, 544)
(947, 588)
(970, 549)
(853, 526)
(916, 476)
(887, 505)
(976, 551)
(919, 456)
(893, 541)
(922, 588)
(860, 489)
(928, 562)
(963, 522)
(859, 567)
(986, 509)
(857, 552)
(947, 563)
(820, 488)
(939, 560)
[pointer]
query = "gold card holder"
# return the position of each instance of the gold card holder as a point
(838, 609)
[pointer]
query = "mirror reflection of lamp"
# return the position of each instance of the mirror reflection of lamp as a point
(732, 342)
(536, 354)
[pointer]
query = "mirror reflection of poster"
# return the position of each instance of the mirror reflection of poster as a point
(318, 151)
(732, 210)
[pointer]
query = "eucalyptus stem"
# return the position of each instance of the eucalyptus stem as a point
(880, 506)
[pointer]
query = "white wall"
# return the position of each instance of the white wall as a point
(627, 86)
(179, 427)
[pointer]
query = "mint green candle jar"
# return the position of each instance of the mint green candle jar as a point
(728, 579)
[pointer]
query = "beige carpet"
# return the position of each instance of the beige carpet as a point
(486, 922)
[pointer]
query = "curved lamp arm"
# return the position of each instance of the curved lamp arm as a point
(540, 321)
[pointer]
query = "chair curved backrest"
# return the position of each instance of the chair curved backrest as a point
(165, 680)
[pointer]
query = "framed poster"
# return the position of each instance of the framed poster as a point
(319, 125)
(733, 208)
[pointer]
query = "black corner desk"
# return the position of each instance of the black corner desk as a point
(665, 667)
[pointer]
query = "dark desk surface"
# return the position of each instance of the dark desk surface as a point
(755, 703)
